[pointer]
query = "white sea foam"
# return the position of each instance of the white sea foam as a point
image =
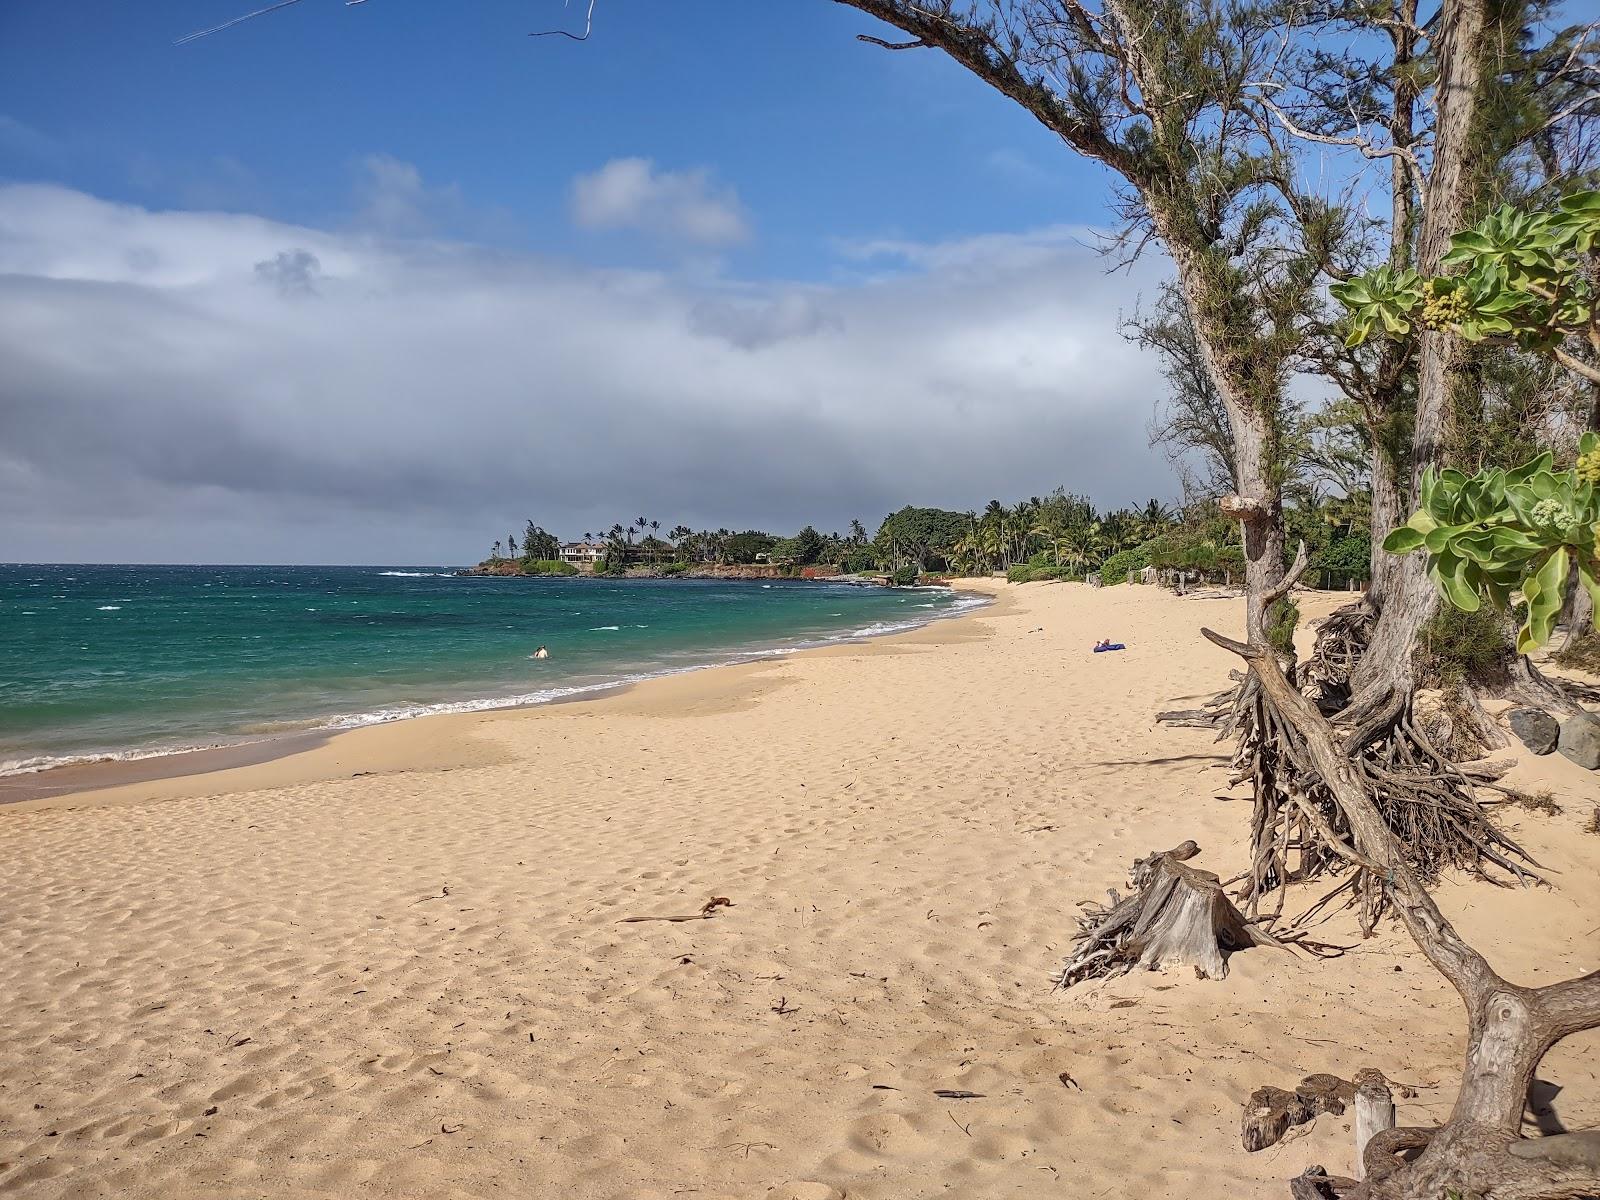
(602, 628)
(109, 608)
(418, 574)
(45, 762)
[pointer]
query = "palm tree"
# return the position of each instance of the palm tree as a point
(1050, 527)
(858, 533)
(1156, 517)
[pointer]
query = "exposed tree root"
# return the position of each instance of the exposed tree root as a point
(1176, 914)
(1299, 831)
(1341, 640)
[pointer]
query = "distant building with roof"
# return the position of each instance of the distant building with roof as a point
(583, 555)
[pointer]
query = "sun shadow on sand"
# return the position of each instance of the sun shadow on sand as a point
(1159, 762)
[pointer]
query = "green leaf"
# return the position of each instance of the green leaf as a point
(1542, 590)
(1544, 485)
(1522, 473)
(1392, 322)
(1353, 293)
(1437, 540)
(1403, 540)
(1478, 546)
(1472, 242)
(1450, 577)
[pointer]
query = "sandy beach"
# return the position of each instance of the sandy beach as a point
(399, 965)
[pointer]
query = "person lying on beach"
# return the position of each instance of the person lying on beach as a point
(1105, 644)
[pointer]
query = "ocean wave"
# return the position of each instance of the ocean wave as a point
(109, 608)
(48, 762)
(417, 574)
(406, 712)
(603, 628)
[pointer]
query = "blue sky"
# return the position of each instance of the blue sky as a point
(822, 136)
(376, 283)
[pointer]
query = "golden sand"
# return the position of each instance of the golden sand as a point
(397, 965)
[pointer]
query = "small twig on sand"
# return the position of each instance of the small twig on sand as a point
(707, 911)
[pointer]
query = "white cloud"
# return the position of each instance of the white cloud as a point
(202, 386)
(393, 198)
(630, 193)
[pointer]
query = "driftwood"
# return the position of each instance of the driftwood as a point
(1176, 914)
(1271, 1112)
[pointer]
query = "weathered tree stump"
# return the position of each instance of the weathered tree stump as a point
(1177, 914)
(1374, 1112)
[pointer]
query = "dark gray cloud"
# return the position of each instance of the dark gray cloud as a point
(292, 272)
(208, 387)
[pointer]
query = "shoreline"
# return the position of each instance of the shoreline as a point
(139, 778)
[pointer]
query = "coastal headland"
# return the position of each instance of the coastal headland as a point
(408, 961)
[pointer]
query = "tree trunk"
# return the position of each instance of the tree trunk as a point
(1388, 512)
(1411, 600)
(1251, 419)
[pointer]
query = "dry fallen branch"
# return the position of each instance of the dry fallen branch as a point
(707, 911)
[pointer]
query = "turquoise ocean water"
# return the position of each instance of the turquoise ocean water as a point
(123, 661)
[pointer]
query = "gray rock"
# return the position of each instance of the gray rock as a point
(1537, 729)
(1580, 740)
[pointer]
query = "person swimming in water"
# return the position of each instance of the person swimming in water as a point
(541, 652)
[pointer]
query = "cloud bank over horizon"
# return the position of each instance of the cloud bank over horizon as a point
(211, 387)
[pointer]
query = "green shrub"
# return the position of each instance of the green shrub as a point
(1025, 573)
(1282, 618)
(854, 559)
(675, 568)
(905, 576)
(1350, 557)
(1465, 645)
(1123, 563)
(547, 566)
